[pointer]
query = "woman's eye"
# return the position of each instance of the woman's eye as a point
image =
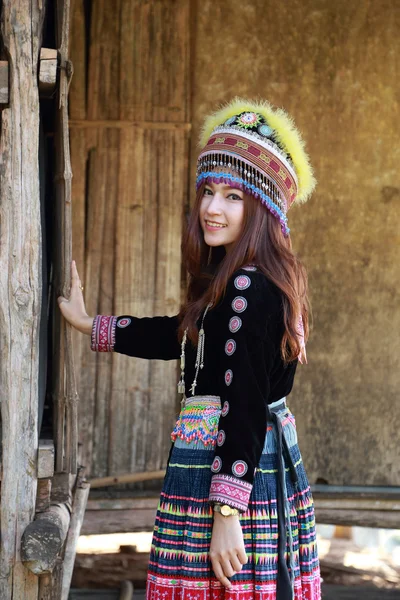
(207, 192)
(235, 197)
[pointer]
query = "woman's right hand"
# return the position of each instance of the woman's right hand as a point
(73, 308)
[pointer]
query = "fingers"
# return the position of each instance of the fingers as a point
(236, 564)
(74, 274)
(227, 567)
(219, 574)
(242, 556)
(61, 299)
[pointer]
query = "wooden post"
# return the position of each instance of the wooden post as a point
(78, 512)
(20, 289)
(3, 82)
(126, 591)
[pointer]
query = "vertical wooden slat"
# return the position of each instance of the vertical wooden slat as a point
(104, 83)
(94, 231)
(163, 376)
(20, 289)
(155, 60)
(110, 153)
(134, 274)
(77, 105)
(79, 156)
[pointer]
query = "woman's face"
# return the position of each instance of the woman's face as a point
(221, 214)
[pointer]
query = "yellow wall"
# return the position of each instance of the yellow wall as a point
(334, 66)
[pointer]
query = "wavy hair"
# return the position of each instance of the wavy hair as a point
(260, 243)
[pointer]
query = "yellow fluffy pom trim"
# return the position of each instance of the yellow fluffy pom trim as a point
(285, 131)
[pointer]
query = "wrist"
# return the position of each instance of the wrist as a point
(230, 518)
(225, 510)
(85, 325)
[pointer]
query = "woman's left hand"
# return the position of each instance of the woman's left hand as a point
(227, 551)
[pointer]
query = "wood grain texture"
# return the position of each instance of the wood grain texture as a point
(3, 82)
(45, 459)
(78, 511)
(78, 87)
(155, 60)
(20, 290)
(47, 71)
(79, 158)
(129, 153)
(43, 539)
(110, 570)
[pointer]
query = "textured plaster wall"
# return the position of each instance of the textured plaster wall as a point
(334, 66)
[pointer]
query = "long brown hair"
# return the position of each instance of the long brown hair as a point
(261, 243)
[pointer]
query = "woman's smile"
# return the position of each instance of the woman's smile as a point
(213, 225)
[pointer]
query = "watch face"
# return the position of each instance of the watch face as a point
(225, 510)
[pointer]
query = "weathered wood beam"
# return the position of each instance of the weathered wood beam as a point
(47, 71)
(123, 124)
(43, 539)
(61, 490)
(3, 82)
(43, 495)
(126, 478)
(363, 518)
(45, 459)
(20, 288)
(122, 515)
(110, 570)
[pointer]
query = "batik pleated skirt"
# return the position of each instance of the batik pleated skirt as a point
(278, 526)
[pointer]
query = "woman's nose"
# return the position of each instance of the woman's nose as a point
(215, 204)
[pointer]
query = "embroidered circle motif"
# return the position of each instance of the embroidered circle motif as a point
(230, 347)
(123, 322)
(225, 409)
(217, 464)
(248, 119)
(239, 468)
(239, 304)
(265, 130)
(221, 437)
(235, 324)
(230, 121)
(228, 377)
(242, 282)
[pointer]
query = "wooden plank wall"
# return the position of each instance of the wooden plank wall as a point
(130, 125)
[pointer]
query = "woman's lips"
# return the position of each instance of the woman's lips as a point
(213, 228)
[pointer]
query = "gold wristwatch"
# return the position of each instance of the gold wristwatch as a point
(225, 510)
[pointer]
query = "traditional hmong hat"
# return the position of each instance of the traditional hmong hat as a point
(260, 149)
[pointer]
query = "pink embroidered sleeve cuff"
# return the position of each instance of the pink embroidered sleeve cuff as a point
(103, 333)
(230, 490)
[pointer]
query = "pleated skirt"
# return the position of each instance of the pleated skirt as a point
(179, 566)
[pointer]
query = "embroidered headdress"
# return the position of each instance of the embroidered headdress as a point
(259, 148)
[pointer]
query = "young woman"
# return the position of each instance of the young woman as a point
(235, 517)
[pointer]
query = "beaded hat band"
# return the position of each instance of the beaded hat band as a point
(258, 149)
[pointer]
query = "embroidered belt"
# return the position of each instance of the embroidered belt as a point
(198, 420)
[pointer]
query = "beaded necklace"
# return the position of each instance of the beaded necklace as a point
(199, 357)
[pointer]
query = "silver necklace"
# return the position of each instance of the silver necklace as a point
(199, 357)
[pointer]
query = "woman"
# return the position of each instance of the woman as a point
(236, 512)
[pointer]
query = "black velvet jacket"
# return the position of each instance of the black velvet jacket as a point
(242, 365)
